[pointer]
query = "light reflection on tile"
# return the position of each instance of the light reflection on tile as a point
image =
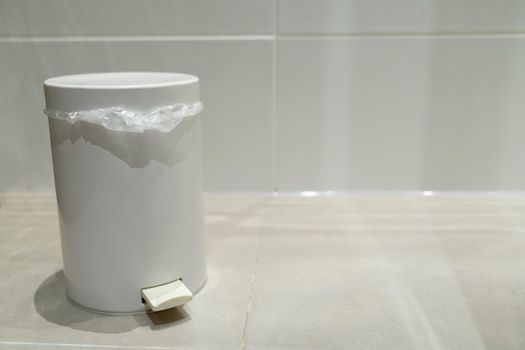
(361, 271)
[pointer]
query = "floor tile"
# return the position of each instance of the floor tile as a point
(405, 273)
(38, 311)
(378, 271)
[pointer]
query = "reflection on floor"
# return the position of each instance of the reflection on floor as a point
(328, 272)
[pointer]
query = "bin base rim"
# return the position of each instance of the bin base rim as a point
(125, 313)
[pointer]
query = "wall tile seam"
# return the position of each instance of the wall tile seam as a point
(263, 37)
(395, 35)
(131, 38)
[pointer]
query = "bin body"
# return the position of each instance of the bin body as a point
(130, 203)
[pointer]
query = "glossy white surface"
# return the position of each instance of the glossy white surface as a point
(135, 17)
(238, 95)
(143, 81)
(166, 296)
(367, 272)
(135, 91)
(400, 16)
(401, 114)
(129, 203)
(252, 86)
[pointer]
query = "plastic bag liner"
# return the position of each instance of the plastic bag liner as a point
(163, 119)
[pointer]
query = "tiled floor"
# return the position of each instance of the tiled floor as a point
(336, 272)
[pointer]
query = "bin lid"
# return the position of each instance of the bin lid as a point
(137, 91)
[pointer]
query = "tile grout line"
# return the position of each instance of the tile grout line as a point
(96, 38)
(90, 346)
(275, 131)
(258, 37)
(250, 295)
(397, 35)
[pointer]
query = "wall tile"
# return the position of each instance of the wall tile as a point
(236, 88)
(400, 16)
(401, 114)
(135, 17)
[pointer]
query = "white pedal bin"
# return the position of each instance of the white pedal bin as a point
(127, 162)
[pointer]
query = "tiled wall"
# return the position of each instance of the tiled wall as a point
(299, 94)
